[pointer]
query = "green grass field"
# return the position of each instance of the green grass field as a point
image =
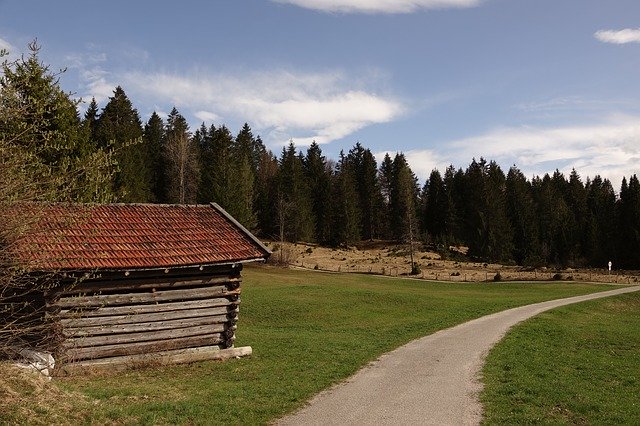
(308, 330)
(579, 364)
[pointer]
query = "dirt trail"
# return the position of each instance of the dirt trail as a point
(429, 381)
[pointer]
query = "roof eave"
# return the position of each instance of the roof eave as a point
(243, 229)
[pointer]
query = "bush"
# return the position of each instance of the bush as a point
(557, 277)
(415, 269)
(497, 277)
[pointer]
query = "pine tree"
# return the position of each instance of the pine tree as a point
(385, 177)
(119, 128)
(345, 229)
(294, 198)
(318, 175)
(91, 117)
(629, 224)
(520, 209)
(266, 195)
(403, 200)
(40, 129)
(153, 140)
(600, 238)
(435, 208)
(365, 170)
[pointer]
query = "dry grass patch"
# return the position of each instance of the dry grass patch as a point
(28, 397)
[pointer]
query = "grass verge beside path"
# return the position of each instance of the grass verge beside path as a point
(578, 364)
(308, 331)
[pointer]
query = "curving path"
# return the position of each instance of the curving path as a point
(429, 381)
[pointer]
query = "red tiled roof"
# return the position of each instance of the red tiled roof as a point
(132, 236)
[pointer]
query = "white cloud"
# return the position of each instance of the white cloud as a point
(625, 36)
(95, 82)
(610, 148)
(421, 161)
(5, 45)
(207, 116)
(379, 6)
(280, 105)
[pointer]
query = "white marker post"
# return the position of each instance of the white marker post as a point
(610, 264)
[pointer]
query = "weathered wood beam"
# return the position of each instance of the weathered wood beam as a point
(98, 286)
(143, 336)
(78, 332)
(127, 349)
(112, 320)
(151, 297)
(94, 311)
(179, 356)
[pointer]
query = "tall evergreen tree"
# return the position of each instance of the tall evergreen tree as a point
(403, 200)
(219, 164)
(318, 176)
(345, 216)
(365, 170)
(119, 128)
(385, 177)
(520, 209)
(266, 195)
(629, 224)
(435, 208)
(91, 117)
(294, 202)
(153, 140)
(40, 127)
(600, 238)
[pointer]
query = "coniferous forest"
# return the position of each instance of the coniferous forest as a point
(108, 154)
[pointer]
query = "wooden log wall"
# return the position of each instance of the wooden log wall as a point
(114, 318)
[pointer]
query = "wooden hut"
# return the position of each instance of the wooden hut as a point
(140, 282)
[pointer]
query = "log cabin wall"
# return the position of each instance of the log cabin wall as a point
(147, 312)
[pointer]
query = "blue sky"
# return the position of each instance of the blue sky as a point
(537, 83)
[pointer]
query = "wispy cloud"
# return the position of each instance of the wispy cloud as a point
(280, 105)
(11, 50)
(94, 79)
(379, 6)
(609, 148)
(624, 36)
(5, 45)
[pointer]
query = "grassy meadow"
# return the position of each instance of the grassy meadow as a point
(308, 331)
(579, 364)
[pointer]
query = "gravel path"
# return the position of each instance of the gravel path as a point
(429, 381)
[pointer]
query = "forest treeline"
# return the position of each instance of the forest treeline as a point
(108, 154)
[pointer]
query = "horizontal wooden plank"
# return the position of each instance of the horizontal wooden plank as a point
(144, 336)
(93, 352)
(147, 283)
(177, 356)
(150, 327)
(95, 311)
(81, 321)
(150, 297)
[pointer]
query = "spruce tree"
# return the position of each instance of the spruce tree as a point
(435, 208)
(600, 238)
(629, 224)
(40, 129)
(153, 140)
(318, 175)
(119, 128)
(345, 229)
(520, 209)
(293, 198)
